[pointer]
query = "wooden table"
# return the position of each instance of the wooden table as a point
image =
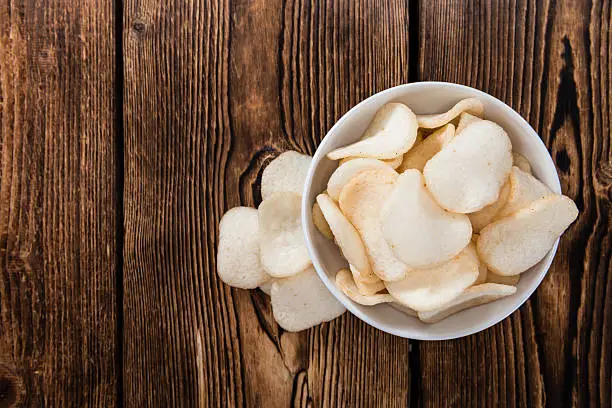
(130, 126)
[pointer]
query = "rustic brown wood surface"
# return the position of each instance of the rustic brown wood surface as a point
(551, 63)
(58, 205)
(227, 87)
(129, 127)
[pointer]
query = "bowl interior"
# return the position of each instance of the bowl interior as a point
(423, 97)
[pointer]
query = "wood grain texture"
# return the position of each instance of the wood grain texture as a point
(213, 91)
(551, 62)
(58, 221)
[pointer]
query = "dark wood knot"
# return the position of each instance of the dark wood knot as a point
(11, 388)
(563, 160)
(139, 27)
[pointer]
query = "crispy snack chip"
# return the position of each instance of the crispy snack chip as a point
(392, 133)
(238, 261)
(346, 171)
(302, 301)
(318, 219)
(513, 244)
(286, 173)
(282, 245)
(361, 201)
(524, 189)
(464, 120)
(428, 289)
(344, 281)
(422, 151)
(420, 232)
(347, 237)
(403, 309)
(483, 272)
(470, 105)
(267, 287)
(393, 163)
(521, 162)
(483, 217)
(364, 286)
(469, 172)
(474, 296)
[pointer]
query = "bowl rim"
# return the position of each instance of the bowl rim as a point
(307, 224)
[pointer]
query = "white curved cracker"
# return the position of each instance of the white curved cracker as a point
(403, 309)
(267, 287)
(318, 219)
(391, 133)
(513, 244)
(344, 281)
(422, 151)
(238, 259)
(420, 232)
(524, 189)
(394, 163)
(464, 120)
(302, 301)
(346, 171)
(474, 296)
(286, 173)
(428, 289)
(361, 201)
(282, 245)
(521, 162)
(485, 216)
(346, 237)
(470, 105)
(469, 172)
(366, 286)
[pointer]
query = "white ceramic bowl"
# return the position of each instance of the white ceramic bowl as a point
(423, 97)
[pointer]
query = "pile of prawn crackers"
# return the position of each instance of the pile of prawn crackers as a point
(434, 214)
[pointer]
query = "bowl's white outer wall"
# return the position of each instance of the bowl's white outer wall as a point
(423, 97)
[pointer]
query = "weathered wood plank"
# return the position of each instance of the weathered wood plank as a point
(550, 62)
(58, 200)
(214, 90)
